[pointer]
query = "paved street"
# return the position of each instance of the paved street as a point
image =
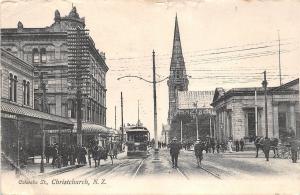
(216, 169)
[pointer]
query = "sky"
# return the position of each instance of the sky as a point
(225, 44)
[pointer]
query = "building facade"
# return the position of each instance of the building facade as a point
(241, 114)
(178, 80)
(47, 50)
(21, 125)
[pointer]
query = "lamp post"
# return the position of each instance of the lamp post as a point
(196, 114)
(264, 84)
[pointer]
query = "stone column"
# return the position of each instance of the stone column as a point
(275, 119)
(292, 116)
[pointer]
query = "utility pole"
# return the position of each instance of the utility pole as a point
(196, 114)
(154, 102)
(279, 63)
(78, 70)
(115, 117)
(138, 122)
(43, 105)
(264, 84)
(122, 122)
(181, 131)
(256, 117)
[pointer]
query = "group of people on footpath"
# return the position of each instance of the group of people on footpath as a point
(70, 155)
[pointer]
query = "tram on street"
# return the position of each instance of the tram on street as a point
(137, 141)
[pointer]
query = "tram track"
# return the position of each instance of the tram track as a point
(138, 168)
(211, 173)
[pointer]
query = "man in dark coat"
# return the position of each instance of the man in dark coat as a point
(242, 143)
(237, 145)
(294, 149)
(266, 147)
(174, 151)
(198, 151)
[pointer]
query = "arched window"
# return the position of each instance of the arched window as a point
(11, 86)
(15, 88)
(24, 92)
(28, 93)
(43, 55)
(35, 56)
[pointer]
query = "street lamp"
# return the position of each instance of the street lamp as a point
(196, 109)
(154, 82)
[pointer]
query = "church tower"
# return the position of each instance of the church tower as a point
(178, 79)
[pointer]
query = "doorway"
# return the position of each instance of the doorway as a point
(251, 124)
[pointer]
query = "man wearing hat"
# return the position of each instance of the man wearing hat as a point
(174, 151)
(198, 148)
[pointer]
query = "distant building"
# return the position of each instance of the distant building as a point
(165, 134)
(235, 111)
(47, 50)
(192, 101)
(20, 123)
(178, 80)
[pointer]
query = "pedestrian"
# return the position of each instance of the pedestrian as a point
(54, 154)
(237, 145)
(213, 144)
(266, 147)
(229, 144)
(294, 149)
(242, 143)
(47, 152)
(198, 152)
(72, 155)
(64, 155)
(174, 152)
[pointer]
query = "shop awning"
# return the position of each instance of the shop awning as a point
(11, 111)
(92, 128)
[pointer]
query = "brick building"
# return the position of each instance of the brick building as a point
(236, 116)
(47, 50)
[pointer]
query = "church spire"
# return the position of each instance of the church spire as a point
(177, 57)
(178, 79)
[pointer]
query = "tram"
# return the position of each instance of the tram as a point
(137, 141)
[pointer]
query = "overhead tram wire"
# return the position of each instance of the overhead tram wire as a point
(200, 51)
(226, 58)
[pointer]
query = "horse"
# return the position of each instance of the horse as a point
(98, 153)
(259, 144)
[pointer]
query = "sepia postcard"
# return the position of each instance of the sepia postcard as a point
(150, 97)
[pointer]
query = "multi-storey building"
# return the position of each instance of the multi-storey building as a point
(20, 123)
(47, 50)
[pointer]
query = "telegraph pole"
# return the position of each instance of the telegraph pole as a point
(195, 104)
(115, 117)
(78, 70)
(154, 103)
(279, 63)
(43, 103)
(264, 84)
(122, 122)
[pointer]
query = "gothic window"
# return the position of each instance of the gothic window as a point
(15, 88)
(43, 55)
(35, 56)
